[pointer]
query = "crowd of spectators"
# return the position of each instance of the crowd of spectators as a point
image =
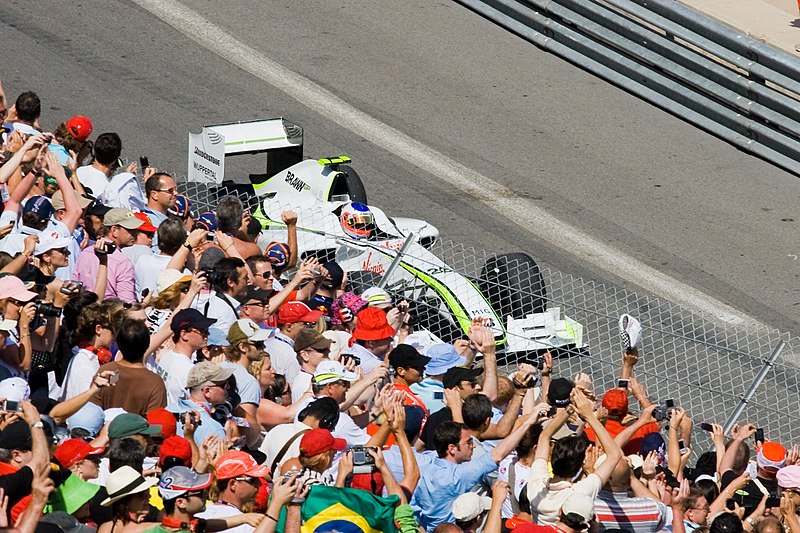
(160, 371)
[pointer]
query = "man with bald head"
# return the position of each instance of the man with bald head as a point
(616, 510)
(447, 527)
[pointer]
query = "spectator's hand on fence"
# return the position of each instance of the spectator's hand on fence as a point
(483, 339)
(583, 405)
(547, 367)
(583, 381)
(289, 217)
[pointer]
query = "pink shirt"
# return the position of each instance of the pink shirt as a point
(121, 276)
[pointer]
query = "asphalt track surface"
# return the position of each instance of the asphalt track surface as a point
(597, 158)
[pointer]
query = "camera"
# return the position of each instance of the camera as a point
(222, 413)
(348, 356)
(106, 249)
(11, 405)
(660, 413)
(363, 462)
(72, 287)
(212, 276)
(45, 309)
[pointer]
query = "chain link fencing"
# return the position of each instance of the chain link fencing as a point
(704, 366)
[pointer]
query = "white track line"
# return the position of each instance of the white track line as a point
(529, 216)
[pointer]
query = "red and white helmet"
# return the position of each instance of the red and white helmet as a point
(356, 220)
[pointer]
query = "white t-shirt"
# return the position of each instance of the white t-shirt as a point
(221, 510)
(345, 429)
(81, 371)
(284, 359)
(547, 498)
(174, 367)
(276, 438)
(147, 268)
(300, 385)
(246, 385)
(93, 178)
(213, 306)
(521, 475)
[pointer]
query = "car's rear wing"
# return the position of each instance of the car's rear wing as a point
(279, 138)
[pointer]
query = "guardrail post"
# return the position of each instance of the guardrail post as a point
(768, 364)
(396, 261)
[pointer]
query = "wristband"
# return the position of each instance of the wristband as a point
(188, 245)
(271, 517)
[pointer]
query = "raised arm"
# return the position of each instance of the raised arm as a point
(508, 444)
(53, 168)
(290, 219)
(483, 338)
(543, 445)
(739, 434)
(585, 408)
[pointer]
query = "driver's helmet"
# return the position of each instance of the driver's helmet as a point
(356, 220)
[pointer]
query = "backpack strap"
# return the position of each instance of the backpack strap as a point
(285, 449)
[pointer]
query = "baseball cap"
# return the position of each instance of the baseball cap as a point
(616, 402)
(64, 522)
(336, 274)
(147, 226)
(217, 337)
(297, 312)
(311, 338)
(128, 424)
(469, 506)
(207, 221)
(406, 356)
(457, 374)
(559, 391)
(15, 389)
(372, 325)
(771, 455)
(245, 329)
(255, 293)
(161, 417)
(190, 318)
(443, 357)
(40, 206)
(51, 241)
(169, 277)
(175, 446)
(377, 297)
(278, 254)
(788, 477)
(98, 209)
(579, 504)
(319, 441)
(57, 200)
(79, 127)
(73, 451)
(125, 481)
(16, 436)
(238, 463)
(125, 218)
(89, 417)
(205, 372)
(179, 480)
(332, 371)
(182, 208)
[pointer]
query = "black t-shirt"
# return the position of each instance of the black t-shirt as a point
(442, 415)
(750, 495)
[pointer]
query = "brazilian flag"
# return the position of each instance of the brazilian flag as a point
(335, 510)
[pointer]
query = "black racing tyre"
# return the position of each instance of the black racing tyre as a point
(355, 187)
(514, 285)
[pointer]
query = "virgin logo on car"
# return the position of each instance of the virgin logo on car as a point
(367, 265)
(296, 182)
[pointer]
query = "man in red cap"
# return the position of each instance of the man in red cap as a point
(79, 457)
(373, 337)
(770, 457)
(238, 480)
(292, 318)
(144, 240)
(615, 402)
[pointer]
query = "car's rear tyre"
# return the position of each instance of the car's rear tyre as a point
(514, 285)
(355, 186)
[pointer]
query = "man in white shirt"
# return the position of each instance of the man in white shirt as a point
(148, 267)
(246, 341)
(239, 477)
(292, 317)
(107, 148)
(66, 222)
(160, 190)
(189, 333)
(312, 348)
(144, 239)
(229, 281)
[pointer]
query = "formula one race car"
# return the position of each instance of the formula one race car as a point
(336, 222)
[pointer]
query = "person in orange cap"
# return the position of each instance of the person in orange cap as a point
(372, 340)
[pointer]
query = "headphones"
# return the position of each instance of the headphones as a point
(327, 421)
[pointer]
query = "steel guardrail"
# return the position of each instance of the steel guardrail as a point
(738, 88)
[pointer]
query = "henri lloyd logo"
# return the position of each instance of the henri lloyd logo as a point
(296, 182)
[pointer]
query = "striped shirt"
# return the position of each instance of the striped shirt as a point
(616, 510)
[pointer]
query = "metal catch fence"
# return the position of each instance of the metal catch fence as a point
(704, 366)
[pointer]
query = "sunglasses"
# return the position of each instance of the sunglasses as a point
(258, 345)
(249, 480)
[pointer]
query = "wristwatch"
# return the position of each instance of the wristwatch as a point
(38, 424)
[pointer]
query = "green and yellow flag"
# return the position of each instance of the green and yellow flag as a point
(335, 510)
